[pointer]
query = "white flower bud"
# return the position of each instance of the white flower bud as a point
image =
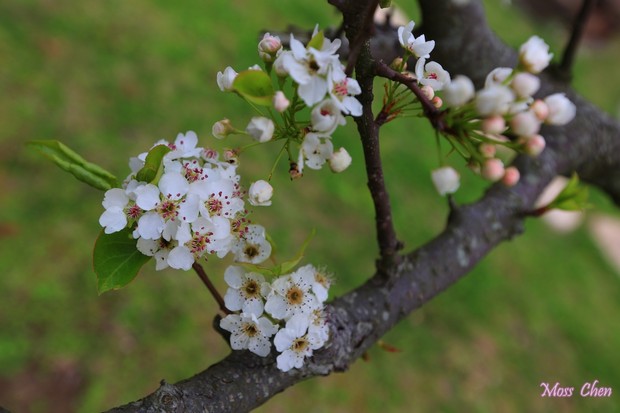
(269, 47)
(326, 116)
(446, 180)
(497, 76)
(458, 92)
(494, 100)
(561, 110)
(340, 160)
(437, 102)
(525, 84)
(525, 124)
(534, 55)
(225, 80)
(428, 92)
(260, 193)
(222, 128)
(261, 128)
(493, 169)
(280, 102)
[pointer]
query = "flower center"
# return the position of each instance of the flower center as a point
(199, 243)
(168, 210)
(249, 329)
(192, 172)
(340, 89)
(300, 344)
(295, 295)
(251, 251)
(134, 212)
(214, 205)
(251, 288)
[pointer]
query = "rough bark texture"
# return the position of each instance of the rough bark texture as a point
(590, 145)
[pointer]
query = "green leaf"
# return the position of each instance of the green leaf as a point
(574, 197)
(385, 3)
(116, 260)
(255, 86)
(152, 164)
(316, 41)
(70, 161)
(286, 266)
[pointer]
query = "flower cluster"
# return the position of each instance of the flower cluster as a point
(194, 207)
(320, 87)
(289, 309)
(503, 113)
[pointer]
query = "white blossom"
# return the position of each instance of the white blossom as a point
(295, 343)
(252, 246)
(249, 331)
(113, 218)
(292, 294)
(419, 47)
(459, 91)
(431, 74)
(261, 128)
(225, 80)
(497, 76)
(494, 100)
(245, 291)
(326, 117)
(316, 150)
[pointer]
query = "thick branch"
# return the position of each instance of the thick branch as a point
(590, 145)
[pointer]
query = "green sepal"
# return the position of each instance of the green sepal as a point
(317, 41)
(574, 197)
(385, 3)
(116, 260)
(152, 168)
(255, 86)
(68, 160)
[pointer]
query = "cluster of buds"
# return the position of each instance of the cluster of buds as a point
(194, 206)
(320, 86)
(502, 114)
(290, 309)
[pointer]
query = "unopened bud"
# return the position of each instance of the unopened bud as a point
(511, 176)
(222, 128)
(225, 79)
(446, 180)
(280, 102)
(533, 145)
(399, 64)
(493, 169)
(260, 128)
(260, 193)
(428, 92)
(437, 102)
(540, 109)
(525, 84)
(487, 150)
(494, 125)
(340, 160)
(525, 124)
(269, 47)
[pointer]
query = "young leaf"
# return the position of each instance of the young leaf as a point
(255, 86)
(152, 164)
(116, 260)
(317, 41)
(286, 266)
(574, 197)
(70, 161)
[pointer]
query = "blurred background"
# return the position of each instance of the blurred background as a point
(110, 78)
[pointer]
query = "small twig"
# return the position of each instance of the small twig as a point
(364, 34)
(571, 47)
(207, 282)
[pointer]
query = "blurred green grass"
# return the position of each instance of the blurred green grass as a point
(109, 78)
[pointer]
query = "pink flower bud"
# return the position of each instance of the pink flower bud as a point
(437, 102)
(398, 64)
(494, 125)
(269, 47)
(540, 109)
(493, 169)
(525, 124)
(511, 176)
(487, 150)
(280, 102)
(340, 160)
(428, 92)
(533, 145)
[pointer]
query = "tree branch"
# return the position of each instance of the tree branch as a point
(590, 145)
(566, 65)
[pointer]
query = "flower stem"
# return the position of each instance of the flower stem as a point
(207, 282)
